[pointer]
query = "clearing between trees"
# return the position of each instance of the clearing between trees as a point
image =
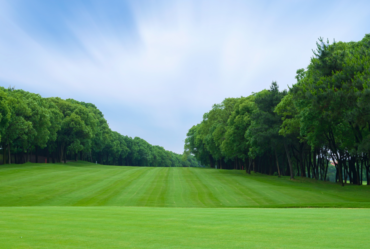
(87, 184)
(79, 205)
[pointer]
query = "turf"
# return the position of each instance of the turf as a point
(85, 184)
(134, 227)
(83, 205)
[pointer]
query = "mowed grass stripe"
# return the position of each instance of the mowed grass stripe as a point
(147, 194)
(155, 195)
(260, 193)
(151, 227)
(31, 173)
(48, 187)
(172, 197)
(265, 191)
(202, 195)
(60, 194)
(100, 186)
(182, 192)
(250, 190)
(86, 184)
(178, 196)
(108, 188)
(231, 193)
(131, 194)
(162, 184)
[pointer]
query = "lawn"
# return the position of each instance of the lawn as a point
(83, 205)
(85, 184)
(150, 227)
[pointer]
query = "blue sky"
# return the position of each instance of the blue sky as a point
(154, 67)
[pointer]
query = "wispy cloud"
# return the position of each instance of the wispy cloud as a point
(154, 67)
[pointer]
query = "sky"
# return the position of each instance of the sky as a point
(155, 67)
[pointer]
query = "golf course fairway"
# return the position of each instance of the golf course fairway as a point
(148, 227)
(83, 205)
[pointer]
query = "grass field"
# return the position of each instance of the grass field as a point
(85, 184)
(81, 205)
(142, 227)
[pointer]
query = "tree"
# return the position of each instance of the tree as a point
(263, 133)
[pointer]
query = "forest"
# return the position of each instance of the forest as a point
(36, 129)
(321, 122)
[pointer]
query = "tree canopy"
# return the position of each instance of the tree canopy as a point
(322, 121)
(34, 128)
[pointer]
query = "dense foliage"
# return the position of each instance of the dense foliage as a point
(322, 121)
(32, 127)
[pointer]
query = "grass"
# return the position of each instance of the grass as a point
(81, 205)
(148, 227)
(86, 184)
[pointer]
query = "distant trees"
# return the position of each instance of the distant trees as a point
(62, 130)
(323, 119)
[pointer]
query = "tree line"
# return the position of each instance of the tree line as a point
(61, 130)
(322, 120)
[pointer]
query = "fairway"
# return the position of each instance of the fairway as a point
(133, 227)
(79, 205)
(86, 184)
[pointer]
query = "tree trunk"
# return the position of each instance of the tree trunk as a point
(298, 167)
(314, 164)
(270, 164)
(249, 165)
(61, 153)
(367, 170)
(283, 165)
(10, 158)
(362, 170)
(339, 170)
(65, 156)
(358, 171)
(57, 155)
(211, 162)
(277, 163)
(355, 175)
(4, 154)
(303, 171)
(309, 164)
(326, 169)
(345, 174)
(289, 162)
(36, 154)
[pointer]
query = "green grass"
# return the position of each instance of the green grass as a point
(83, 205)
(143, 227)
(85, 184)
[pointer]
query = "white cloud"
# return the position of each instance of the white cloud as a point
(181, 59)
